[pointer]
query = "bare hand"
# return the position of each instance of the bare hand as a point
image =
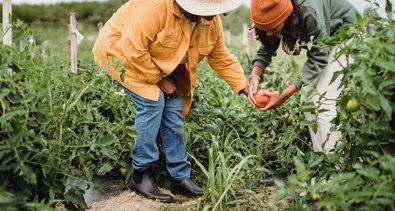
(168, 87)
(252, 89)
(276, 100)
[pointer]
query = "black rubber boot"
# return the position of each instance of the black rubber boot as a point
(186, 187)
(144, 184)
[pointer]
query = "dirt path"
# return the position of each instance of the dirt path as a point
(130, 201)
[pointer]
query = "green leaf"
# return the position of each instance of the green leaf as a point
(388, 8)
(131, 132)
(109, 152)
(388, 65)
(327, 202)
(359, 19)
(106, 141)
(316, 161)
(335, 76)
(76, 196)
(374, 102)
(370, 172)
(299, 165)
(10, 115)
(4, 92)
(386, 107)
(28, 174)
(390, 48)
(106, 167)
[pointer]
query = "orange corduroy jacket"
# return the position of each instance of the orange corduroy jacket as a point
(150, 38)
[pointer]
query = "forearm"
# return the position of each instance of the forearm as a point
(288, 92)
(256, 70)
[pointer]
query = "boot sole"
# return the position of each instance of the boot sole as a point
(151, 197)
(184, 194)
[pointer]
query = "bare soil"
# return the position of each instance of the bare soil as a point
(130, 201)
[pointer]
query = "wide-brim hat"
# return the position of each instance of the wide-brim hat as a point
(208, 7)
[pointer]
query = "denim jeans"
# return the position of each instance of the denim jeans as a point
(165, 116)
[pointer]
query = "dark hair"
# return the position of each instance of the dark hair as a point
(191, 17)
(294, 31)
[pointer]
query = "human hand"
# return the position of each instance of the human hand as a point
(252, 89)
(168, 87)
(261, 99)
(276, 100)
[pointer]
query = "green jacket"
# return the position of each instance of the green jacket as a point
(321, 18)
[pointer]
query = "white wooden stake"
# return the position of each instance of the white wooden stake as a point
(245, 41)
(22, 45)
(7, 19)
(100, 26)
(228, 37)
(73, 42)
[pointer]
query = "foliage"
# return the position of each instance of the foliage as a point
(56, 128)
(360, 176)
(57, 15)
(235, 19)
(93, 13)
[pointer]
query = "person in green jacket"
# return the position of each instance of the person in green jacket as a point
(289, 22)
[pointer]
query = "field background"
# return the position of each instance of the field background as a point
(59, 130)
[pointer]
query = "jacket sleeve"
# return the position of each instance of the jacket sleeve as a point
(317, 59)
(226, 64)
(265, 53)
(140, 30)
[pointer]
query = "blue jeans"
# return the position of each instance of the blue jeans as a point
(164, 115)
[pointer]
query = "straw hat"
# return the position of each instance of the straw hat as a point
(208, 7)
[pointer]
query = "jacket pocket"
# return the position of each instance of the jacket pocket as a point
(168, 41)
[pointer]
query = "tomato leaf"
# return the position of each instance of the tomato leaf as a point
(386, 107)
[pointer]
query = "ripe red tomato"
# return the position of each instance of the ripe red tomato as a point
(261, 99)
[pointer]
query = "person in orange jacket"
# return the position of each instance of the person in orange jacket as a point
(159, 44)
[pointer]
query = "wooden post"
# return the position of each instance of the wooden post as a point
(100, 26)
(228, 37)
(245, 40)
(7, 20)
(22, 45)
(73, 42)
(31, 48)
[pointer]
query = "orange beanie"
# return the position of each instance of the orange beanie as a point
(268, 14)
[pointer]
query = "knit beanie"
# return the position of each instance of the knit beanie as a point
(268, 14)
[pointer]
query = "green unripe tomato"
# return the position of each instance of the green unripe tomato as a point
(315, 196)
(352, 105)
(124, 171)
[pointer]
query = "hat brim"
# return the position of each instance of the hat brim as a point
(208, 8)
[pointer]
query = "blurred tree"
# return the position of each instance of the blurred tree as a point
(105, 11)
(56, 15)
(235, 19)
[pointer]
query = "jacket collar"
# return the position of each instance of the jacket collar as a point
(176, 10)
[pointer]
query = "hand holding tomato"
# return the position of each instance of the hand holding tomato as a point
(252, 90)
(261, 100)
(276, 100)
